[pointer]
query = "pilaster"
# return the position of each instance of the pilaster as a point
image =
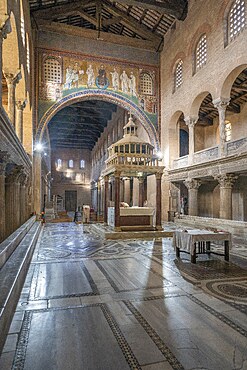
(20, 106)
(5, 28)
(158, 200)
(12, 79)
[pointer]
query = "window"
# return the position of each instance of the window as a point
(228, 130)
(201, 52)
(178, 75)
(71, 163)
(59, 163)
(28, 56)
(236, 19)
(23, 34)
(52, 70)
(82, 163)
(146, 84)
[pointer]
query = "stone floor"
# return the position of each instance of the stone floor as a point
(95, 304)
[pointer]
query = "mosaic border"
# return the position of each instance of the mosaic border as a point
(90, 280)
(20, 354)
(169, 356)
(219, 315)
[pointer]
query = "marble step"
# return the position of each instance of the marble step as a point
(10, 243)
(12, 277)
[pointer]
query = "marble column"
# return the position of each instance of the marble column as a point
(20, 105)
(12, 79)
(23, 200)
(106, 198)
(221, 105)
(5, 28)
(141, 192)
(98, 198)
(127, 190)
(226, 182)
(12, 205)
(3, 163)
(117, 201)
(37, 193)
(192, 186)
(158, 201)
(190, 122)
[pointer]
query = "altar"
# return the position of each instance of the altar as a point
(132, 216)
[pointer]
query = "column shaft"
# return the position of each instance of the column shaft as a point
(37, 182)
(158, 201)
(106, 198)
(117, 202)
(193, 186)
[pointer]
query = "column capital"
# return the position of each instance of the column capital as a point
(192, 184)
(15, 174)
(5, 26)
(4, 156)
(226, 180)
(21, 104)
(158, 175)
(12, 78)
(221, 103)
(190, 121)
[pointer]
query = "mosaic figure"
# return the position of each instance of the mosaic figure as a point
(115, 79)
(90, 76)
(101, 80)
(132, 84)
(124, 82)
(68, 78)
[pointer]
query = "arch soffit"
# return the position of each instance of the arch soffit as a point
(196, 103)
(231, 75)
(104, 96)
(174, 119)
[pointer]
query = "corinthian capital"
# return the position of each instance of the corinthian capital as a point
(190, 121)
(221, 103)
(12, 78)
(20, 104)
(226, 180)
(192, 184)
(5, 26)
(4, 156)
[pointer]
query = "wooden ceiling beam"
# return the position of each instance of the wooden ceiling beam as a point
(110, 21)
(64, 29)
(176, 8)
(130, 22)
(53, 12)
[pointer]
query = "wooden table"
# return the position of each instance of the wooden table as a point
(198, 242)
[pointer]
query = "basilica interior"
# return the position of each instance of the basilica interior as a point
(123, 184)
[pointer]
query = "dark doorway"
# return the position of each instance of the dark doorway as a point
(70, 200)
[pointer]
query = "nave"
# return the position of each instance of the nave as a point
(91, 303)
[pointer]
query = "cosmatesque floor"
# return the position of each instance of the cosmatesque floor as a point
(93, 304)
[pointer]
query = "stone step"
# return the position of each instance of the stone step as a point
(12, 277)
(8, 246)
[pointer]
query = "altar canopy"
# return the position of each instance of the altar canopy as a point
(131, 157)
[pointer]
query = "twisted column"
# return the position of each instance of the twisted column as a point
(192, 186)
(221, 105)
(226, 182)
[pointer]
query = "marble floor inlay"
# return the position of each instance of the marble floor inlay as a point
(95, 304)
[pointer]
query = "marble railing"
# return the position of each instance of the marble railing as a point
(206, 155)
(180, 162)
(237, 146)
